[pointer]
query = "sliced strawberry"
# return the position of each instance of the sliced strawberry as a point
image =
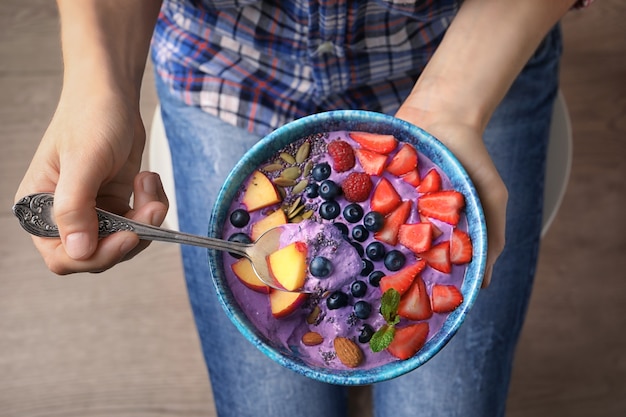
(445, 298)
(442, 205)
(415, 303)
(375, 142)
(393, 222)
(372, 162)
(404, 161)
(412, 177)
(460, 247)
(408, 340)
(436, 231)
(385, 198)
(417, 237)
(402, 280)
(438, 257)
(431, 182)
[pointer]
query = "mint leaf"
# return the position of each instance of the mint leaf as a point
(389, 305)
(382, 338)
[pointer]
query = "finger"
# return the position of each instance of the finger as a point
(74, 204)
(150, 205)
(494, 206)
(109, 252)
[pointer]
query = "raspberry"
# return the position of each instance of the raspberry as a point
(357, 187)
(342, 155)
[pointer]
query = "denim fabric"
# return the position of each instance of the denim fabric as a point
(470, 376)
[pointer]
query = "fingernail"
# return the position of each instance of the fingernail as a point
(127, 245)
(150, 184)
(77, 245)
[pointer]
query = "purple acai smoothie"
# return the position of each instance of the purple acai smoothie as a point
(375, 216)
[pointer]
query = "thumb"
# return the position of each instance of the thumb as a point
(74, 207)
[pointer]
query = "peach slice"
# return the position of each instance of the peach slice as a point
(284, 303)
(244, 271)
(272, 220)
(260, 192)
(288, 265)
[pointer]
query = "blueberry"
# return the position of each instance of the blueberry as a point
(353, 213)
(337, 300)
(320, 267)
(342, 228)
(329, 210)
(358, 288)
(368, 267)
(362, 309)
(240, 238)
(375, 251)
(321, 171)
(366, 333)
(311, 190)
(360, 233)
(329, 189)
(375, 277)
(394, 260)
(373, 221)
(239, 218)
(359, 248)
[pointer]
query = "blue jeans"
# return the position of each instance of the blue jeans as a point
(470, 376)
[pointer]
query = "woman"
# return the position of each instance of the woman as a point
(480, 75)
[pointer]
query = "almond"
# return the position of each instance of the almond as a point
(312, 338)
(348, 352)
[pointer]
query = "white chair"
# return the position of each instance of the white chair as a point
(160, 161)
(557, 176)
(559, 162)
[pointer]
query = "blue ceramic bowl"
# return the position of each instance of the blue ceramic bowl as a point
(360, 121)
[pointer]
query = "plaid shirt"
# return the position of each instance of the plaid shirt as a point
(259, 64)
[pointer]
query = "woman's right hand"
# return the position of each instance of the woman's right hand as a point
(90, 156)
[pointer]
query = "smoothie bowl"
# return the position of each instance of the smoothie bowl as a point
(383, 225)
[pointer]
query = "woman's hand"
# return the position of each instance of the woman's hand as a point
(90, 155)
(467, 145)
(484, 49)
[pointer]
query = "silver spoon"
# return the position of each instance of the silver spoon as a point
(35, 214)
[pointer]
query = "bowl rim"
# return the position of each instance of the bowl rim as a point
(377, 123)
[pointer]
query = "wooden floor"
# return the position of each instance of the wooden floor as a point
(123, 343)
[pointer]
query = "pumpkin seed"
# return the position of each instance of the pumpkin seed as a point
(296, 212)
(313, 315)
(284, 182)
(303, 152)
(299, 187)
(273, 167)
(291, 173)
(287, 158)
(294, 205)
(307, 168)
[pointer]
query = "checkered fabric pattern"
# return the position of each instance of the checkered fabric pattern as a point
(259, 64)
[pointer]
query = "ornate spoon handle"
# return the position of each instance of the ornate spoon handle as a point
(35, 214)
